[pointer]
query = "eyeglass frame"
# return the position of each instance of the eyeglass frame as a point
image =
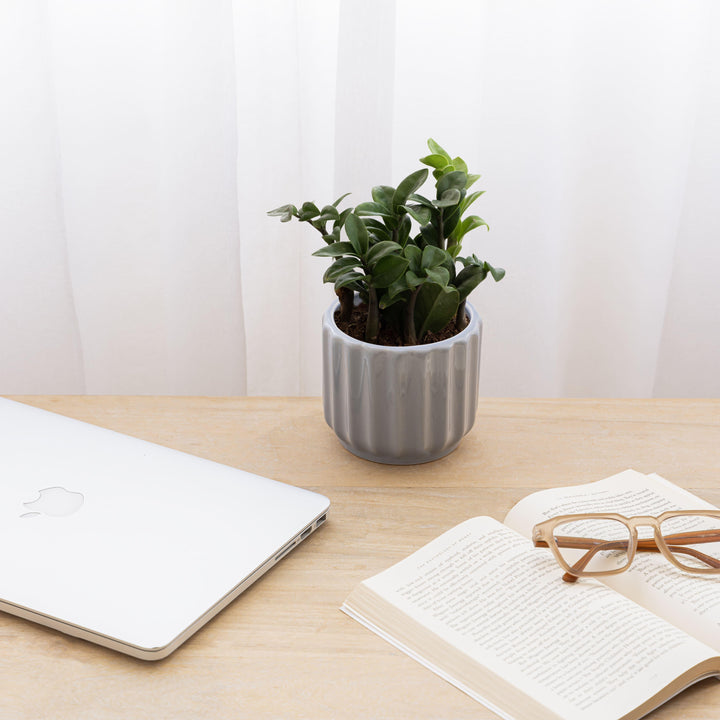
(543, 536)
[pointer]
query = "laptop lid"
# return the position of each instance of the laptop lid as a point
(129, 544)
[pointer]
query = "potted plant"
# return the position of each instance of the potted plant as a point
(401, 346)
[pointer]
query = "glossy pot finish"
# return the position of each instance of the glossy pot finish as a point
(400, 405)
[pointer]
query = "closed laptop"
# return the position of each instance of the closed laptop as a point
(129, 544)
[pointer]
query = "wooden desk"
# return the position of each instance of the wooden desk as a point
(284, 650)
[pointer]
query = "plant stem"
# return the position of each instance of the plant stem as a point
(461, 317)
(320, 227)
(372, 328)
(347, 301)
(410, 334)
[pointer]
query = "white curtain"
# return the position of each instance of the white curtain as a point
(143, 141)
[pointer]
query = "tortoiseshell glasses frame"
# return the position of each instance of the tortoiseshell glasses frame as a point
(669, 545)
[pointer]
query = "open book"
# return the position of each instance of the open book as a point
(486, 610)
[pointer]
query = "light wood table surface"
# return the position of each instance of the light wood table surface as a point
(284, 649)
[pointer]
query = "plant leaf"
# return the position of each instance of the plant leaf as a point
(381, 249)
(308, 211)
(435, 149)
(472, 222)
(468, 224)
(419, 213)
(284, 212)
(429, 234)
(412, 280)
(436, 161)
(469, 278)
(414, 256)
(357, 233)
(432, 257)
(342, 218)
(378, 233)
(409, 185)
(459, 164)
(348, 279)
(387, 300)
(450, 197)
(497, 273)
(470, 199)
(329, 212)
(471, 180)
(387, 270)
(340, 199)
(439, 275)
(340, 267)
(453, 179)
(404, 230)
(383, 195)
(422, 201)
(451, 217)
(336, 250)
(471, 260)
(332, 237)
(398, 287)
(435, 306)
(373, 208)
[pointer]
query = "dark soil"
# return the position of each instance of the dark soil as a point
(388, 335)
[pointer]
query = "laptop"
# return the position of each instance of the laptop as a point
(129, 544)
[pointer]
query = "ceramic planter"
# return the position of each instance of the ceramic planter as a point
(400, 405)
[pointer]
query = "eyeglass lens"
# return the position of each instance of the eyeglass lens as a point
(593, 544)
(694, 540)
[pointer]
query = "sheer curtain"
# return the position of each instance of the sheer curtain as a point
(141, 144)
(118, 199)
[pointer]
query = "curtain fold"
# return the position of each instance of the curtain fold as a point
(38, 320)
(134, 284)
(142, 143)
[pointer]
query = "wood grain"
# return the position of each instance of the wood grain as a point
(284, 650)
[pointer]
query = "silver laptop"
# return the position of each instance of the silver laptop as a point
(129, 544)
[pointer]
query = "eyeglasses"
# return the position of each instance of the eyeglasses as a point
(595, 544)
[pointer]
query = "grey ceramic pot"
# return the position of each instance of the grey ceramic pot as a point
(400, 405)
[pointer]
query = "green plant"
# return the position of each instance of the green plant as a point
(407, 280)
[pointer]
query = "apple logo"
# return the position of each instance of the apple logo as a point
(55, 502)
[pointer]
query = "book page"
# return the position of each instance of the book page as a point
(692, 602)
(581, 650)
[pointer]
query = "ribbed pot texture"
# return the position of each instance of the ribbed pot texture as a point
(400, 405)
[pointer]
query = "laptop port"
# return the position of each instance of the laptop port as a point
(285, 550)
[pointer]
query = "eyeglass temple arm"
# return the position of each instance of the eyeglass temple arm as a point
(676, 541)
(647, 545)
(593, 546)
(694, 538)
